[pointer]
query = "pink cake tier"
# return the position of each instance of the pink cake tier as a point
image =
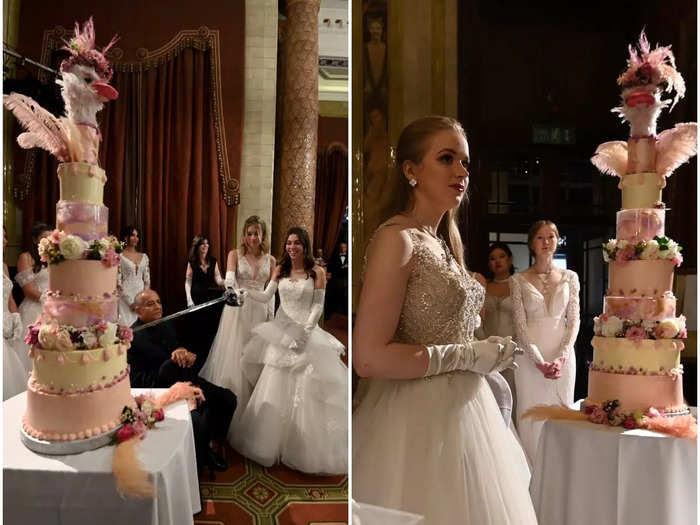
(87, 278)
(86, 220)
(641, 278)
(637, 392)
(79, 311)
(618, 355)
(640, 224)
(641, 308)
(67, 417)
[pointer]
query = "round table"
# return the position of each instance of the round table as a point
(587, 473)
(80, 488)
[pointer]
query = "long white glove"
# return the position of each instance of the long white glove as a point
(262, 297)
(483, 357)
(188, 290)
(12, 326)
(230, 281)
(314, 316)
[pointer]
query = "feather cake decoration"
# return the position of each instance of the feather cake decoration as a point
(650, 74)
(84, 82)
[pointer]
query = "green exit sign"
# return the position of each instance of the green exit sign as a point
(553, 134)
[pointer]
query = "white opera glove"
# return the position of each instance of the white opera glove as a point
(314, 316)
(263, 297)
(188, 290)
(12, 326)
(230, 281)
(483, 357)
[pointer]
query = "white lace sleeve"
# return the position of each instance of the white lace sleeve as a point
(146, 273)
(573, 320)
(520, 321)
(25, 277)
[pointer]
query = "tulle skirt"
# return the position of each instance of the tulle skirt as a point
(223, 366)
(438, 447)
(14, 375)
(533, 388)
(297, 412)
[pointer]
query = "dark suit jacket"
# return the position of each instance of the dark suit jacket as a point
(335, 267)
(149, 350)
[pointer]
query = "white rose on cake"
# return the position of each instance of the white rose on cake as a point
(89, 338)
(612, 326)
(109, 336)
(47, 336)
(72, 247)
(63, 340)
(671, 252)
(44, 247)
(650, 251)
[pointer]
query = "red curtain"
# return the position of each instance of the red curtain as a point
(331, 196)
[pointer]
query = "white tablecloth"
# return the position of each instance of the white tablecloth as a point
(79, 489)
(587, 473)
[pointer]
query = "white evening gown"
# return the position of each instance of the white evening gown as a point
(223, 366)
(438, 446)
(297, 413)
(133, 279)
(551, 325)
(29, 309)
(14, 375)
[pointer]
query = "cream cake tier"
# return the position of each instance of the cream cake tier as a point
(81, 182)
(86, 220)
(69, 416)
(618, 355)
(78, 311)
(641, 190)
(637, 392)
(641, 278)
(640, 224)
(86, 278)
(641, 308)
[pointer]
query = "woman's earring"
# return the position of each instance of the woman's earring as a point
(413, 182)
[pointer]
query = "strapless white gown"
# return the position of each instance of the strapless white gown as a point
(297, 413)
(14, 374)
(223, 366)
(552, 328)
(29, 309)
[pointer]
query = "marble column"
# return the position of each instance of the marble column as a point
(296, 183)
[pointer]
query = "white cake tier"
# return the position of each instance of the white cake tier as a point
(618, 355)
(81, 182)
(641, 190)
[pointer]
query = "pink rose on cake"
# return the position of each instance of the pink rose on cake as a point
(598, 415)
(125, 334)
(626, 254)
(57, 236)
(629, 423)
(110, 258)
(72, 247)
(635, 333)
(125, 432)
(32, 336)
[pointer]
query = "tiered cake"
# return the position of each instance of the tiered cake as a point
(80, 379)
(635, 375)
(636, 347)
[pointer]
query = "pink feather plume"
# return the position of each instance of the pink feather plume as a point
(43, 129)
(675, 146)
(611, 158)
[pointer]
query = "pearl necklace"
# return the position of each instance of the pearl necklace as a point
(500, 281)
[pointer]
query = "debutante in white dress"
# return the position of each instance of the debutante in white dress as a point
(29, 309)
(438, 446)
(297, 413)
(133, 279)
(550, 324)
(223, 366)
(14, 375)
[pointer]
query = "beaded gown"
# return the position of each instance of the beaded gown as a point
(14, 375)
(133, 279)
(297, 413)
(223, 366)
(438, 446)
(29, 309)
(551, 323)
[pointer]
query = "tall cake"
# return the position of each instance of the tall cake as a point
(79, 384)
(636, 370)
(80, 378)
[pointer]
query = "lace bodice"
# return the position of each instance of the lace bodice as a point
(133, 278)
(245, 273)
(530, 306)
(442, 300)
(498, 316)
(6, 291)
(40, 279)
(296, 297)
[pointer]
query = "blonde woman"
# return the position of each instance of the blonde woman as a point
(428, 437)
(249, 267)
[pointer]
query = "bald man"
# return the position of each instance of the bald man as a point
(157, 359)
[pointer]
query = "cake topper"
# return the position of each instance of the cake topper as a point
(84, 82)
(650, 73)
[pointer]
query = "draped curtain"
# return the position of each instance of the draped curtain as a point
(165, 160)
(331, 196)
